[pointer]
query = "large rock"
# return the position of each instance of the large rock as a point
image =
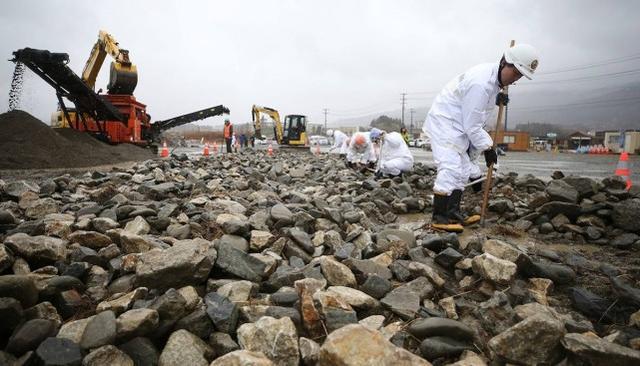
(141, 351)
(239, 263)
(107, 355)
(29, 336)
(38, 249)
(6, 258)
(501, 249)
(40, 208)
(19, 287)
(243, 358)
(596, 351)
(136, 322)
(187, 262)
(586, 187)
(100, 331)
(356, 345)
(431, 327)
(280, 212)
(11, 314)
(336, 273)
(625, 215)
(533, 341)
(559, 190)
(222, 311)
(184, 348)
(90, 239)
(59, 351)
(275, 338)
(494, 269)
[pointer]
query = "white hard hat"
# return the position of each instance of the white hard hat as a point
(524, 57)
(330, 133)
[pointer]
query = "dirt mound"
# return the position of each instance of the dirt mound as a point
(28, 143)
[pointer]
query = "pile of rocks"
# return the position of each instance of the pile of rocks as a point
(297, 260)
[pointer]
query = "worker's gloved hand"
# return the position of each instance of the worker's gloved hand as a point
(490, 156)
(502, 98)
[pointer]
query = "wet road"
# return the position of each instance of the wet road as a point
(539, 164)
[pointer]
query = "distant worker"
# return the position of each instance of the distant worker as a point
(243, 140)
(360, 151)
(339, 141)
(252, 139)
(228, 134)
(456, 122)
(405, 135)
(395, 157)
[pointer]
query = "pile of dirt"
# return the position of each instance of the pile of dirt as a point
(28, 143)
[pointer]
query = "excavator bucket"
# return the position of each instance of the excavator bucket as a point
(122, 78)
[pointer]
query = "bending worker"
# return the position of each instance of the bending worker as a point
(360, 151)
(339, 141)
(395, 157)
(456, 123)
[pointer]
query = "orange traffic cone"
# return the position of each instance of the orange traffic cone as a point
(205, 152)
(215, 148)
(622, 169)
(270, 150)
(165, 150)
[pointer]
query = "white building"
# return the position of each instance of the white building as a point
(631, 143)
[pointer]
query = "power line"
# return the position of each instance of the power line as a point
(592, 65)
(587, 78)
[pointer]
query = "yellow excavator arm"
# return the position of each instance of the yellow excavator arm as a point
(257, 123)
(123, 75)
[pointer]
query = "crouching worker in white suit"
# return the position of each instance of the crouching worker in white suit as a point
(395, 157)
(360, 152)
(456, 122)
(339, 141)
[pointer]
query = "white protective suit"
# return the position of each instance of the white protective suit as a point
(363, 154)
(395, 156)
(339, 142)
(456, 121)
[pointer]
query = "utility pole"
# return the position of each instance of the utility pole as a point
(412, 111)
(325, 119)
(403, 102)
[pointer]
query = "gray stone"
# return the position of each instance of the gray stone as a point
(138, 226)
(100, 331)
(448, 258)
(275, 338)
(625, 214)
(38, 249)
(494, 269)
(222, 343)
(239, 263)
(184, 348)
(535, 340)
(336, 273)
(222, 311)
(136, 323)
(443, 327)
(11, 314)
(107, 355)
(233, 224)
(186, 262)
(236, 241)
(59, 351)
(376, 286)
(559, 190)
(302, 239)
(596, 351)
(196, 322)
(260, 240)
(29, 336)
(6, 258)
(436, 347)
(280, 212)
(142, 351)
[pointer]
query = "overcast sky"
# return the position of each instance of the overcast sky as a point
(352, 57)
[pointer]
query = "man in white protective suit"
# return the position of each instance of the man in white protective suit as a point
(395, 157)
(360, 151)
(339, 141)
(455, 124)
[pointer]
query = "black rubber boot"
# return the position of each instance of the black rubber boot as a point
(455, 213)
(440, 219)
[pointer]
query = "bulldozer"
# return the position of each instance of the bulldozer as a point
(115, 117)
(293, 133)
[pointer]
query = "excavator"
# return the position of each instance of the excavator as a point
(115, 117)
(293, 133)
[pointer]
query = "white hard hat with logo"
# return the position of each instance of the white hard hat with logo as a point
(524, 57)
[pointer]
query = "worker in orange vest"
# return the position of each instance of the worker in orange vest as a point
(228, 134)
